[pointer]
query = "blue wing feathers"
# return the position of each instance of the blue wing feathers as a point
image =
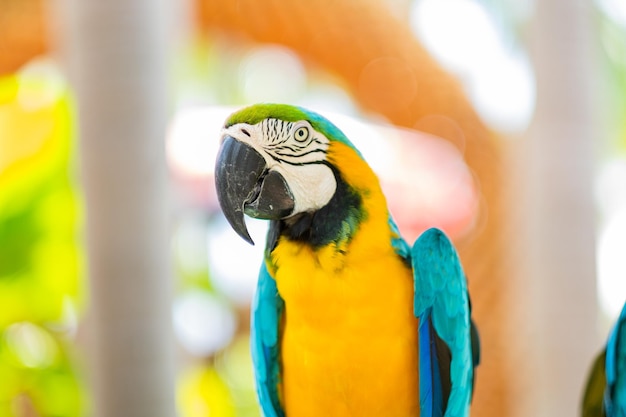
(441, 298)
(432, 401)
(267, 308)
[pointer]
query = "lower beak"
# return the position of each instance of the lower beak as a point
(245, 185)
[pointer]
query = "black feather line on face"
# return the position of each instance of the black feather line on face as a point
(300, 155)
(337, 221)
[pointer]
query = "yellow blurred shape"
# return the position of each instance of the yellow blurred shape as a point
(37, 377)
(31, 137)
(202, 393)
(235, 365)
(34, 132)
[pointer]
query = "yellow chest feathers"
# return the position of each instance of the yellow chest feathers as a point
(349, 338)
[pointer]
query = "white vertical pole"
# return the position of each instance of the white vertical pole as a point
(117, 52)
(561, 308)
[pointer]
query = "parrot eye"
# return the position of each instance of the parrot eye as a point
(301, 134)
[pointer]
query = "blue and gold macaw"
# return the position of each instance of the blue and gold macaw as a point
(348, 319)
(605, 395)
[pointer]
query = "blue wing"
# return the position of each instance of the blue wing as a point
(615, 366)
(267, 309)
(448, 340)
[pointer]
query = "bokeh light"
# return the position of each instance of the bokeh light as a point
(204, 324)
(41, 84)
(610, 192)
(498, 78)
(614, 9)
(612, 264)
(234, 263)
(611, 200)
(37, 376)
(189, 245)
(462, 40)
(272, 74)
(327, 96)
(193, 140)
(31, 345)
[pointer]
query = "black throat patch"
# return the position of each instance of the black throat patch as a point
(336, 222)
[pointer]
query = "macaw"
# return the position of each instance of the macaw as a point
(347, 319)
(605, 395)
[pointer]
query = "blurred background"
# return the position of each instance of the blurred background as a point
(123, 291)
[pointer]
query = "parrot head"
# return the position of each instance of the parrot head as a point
(276, 162)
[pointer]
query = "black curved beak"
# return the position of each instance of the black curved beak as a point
(245, 185)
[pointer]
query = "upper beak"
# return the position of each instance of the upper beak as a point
(245, 185)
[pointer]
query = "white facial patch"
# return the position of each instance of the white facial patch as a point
(297, 152)
(312, 185)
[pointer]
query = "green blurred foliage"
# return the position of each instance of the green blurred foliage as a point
(41, 261)
(38, 375)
